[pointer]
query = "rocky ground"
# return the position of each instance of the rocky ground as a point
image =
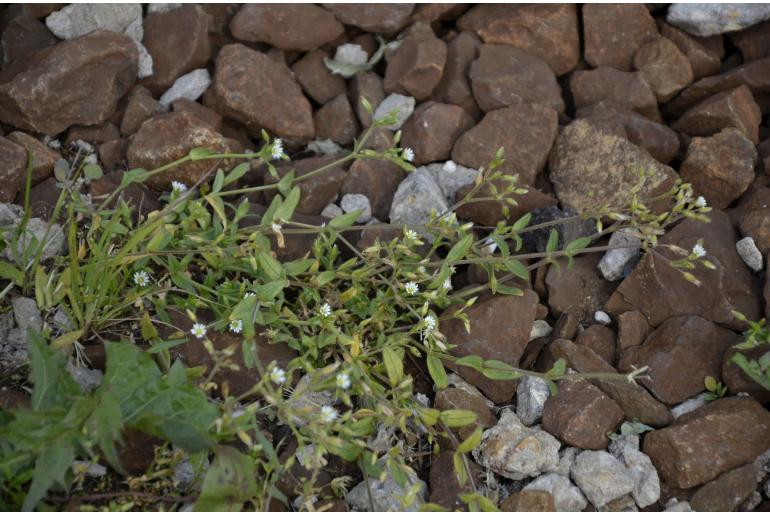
(579, 97)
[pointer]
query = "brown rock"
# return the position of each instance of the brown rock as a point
(201, 112)
(528, 501)
(416, 67)
(42, 10)
(92, 134)
(141, 107)
(688, 343)
(704, 61)
(316, 80)
(633, 329)
(503, 76)
(665, 68)
(661, 142)
(296, 245)
(600, 339)
(336, 121)
(14, 399)
(112, 154)
(549, 32)
(580, 415)
(737, 381)
(590, 168)
(43, 198)
(432, 129)
(315, 193)
(658, 291)
(757, 225)
(42, 156)
(525, 132)
(78, 81)
(445, 487)
(728, 491)
(489, 212)
(754, 42)
(286, 26)
(136, 195)
(581, 290)
(733, 108)
(377, 180)
(500, 328)
(366, 85)
(254, 90)
(720, 167)
(24, 34)
(178, 41)
(633, 399)
(703, 444)
(430, 13)
(456, 398)
(379, 18)
(168, 137)
(628, 89)
(614, 32)
(136, 452)
(13, 168)
(454, 87)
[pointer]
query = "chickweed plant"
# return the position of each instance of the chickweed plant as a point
(361, 322)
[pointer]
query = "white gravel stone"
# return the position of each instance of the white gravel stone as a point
(566, 496)
(332, 211)
(387, 495)
(674, 504)
(450, 177)
(615, 263)
(516, 451)
(145, 62)
(531, 394)
(402, 104)
(354, 202)
(162, 7)
(26, 313)
(324, 147)
(602, 317)
(646, 482)
(77, 20)
(749, 253)
(566, 459)
(190, 86)
(415, 198)
(710, 19)
(33, 235)
(88, 379)
(688, 405)
(601, 477)
(351, 54)
(540, 329)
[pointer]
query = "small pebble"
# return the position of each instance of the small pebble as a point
(402, 104)
(749, 253)
(602, 317)
(351, 54)
(355, 202)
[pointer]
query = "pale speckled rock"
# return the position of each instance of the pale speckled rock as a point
(87, 378)
(531, 394)
(354, 202)
(601, 477)
(515, 451)
(616, 262)
(190, 86)
(387, 495)
(566, 496)
(77, 20)
(162, 7)
(711, 19)
(402, 104)
(749, 253)
(540, 329)
(33, 236)
(351, 54)
(26, 313)
(646, 482)
(566, 459)
(331, 211)
(415, 198)
(451, 177)
(676, 505)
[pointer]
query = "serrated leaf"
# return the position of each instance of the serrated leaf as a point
(54, 386)
(51, 468)
(229, 482)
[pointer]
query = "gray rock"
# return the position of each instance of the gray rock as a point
(752, 501)
(601, 477)
(77, 20)
(135, 30)
(710, 19)
(415, 198)
(10, 214)
(185, 473)
(14, 350)
(614, 263)
(145, 68)
(26, 313)
(763, 465)
(332, 211)
(531, 394)
(88, 379)
(161, 7)
(190, 86)
(516, 451)
(450, 177)
(767, 488)
(387, 495)
(31, 239)
(749, 253)
(675, 505)
(566, 496)
(566, 459)
(351, 54)
(646, 482)
(354, 202)
(61, 321)
(602, 317)
(324, 147)
(540, 329)
(688, 405)
(402, 104)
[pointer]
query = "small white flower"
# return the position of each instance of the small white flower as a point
(276, 150)
(236, 326)
(276, 227)
(141, 278)
(421, 269)
(179, 187)
(328, 414)
(325, 310)
(411, 235)
(447, 284)
(343, 381)
(698, 250)
(430, 322)
(411, 288)
(700, 202)
(278, 375)
(249, 294)
(407, 154)
(198, 330)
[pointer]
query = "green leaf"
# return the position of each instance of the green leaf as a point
(508, 290)
(460, 249)
(710, 383)
(284, 185)
(394, 365)
(522, 222)
(517, 268)
(229, 482)
(325, 277)
(437, 372)
(475, 362)
(219, 181)
(92, 172)
(269, 291)
(54, 386)
(10, 272)
(499, 370)
(287, 207)
(472, 441)
(51, 468)
(576, 245)
(346, 220)
(559, 368)
(553, 241)
(458, 417)
(132, 176)
(270, 265)
(199, 153)
(237, 172)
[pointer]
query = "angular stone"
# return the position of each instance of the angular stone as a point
(704, 61)
(590, 168)
(601, 477)
(81, 136)
(489, 212)
(260, 93)
(432, 130)
(286, 26)
(659, 291)
(726, 492)
(366, 85)
(549, 32)
(580, 290)
(633, 329)
(732, 108)
(615, 263)
(566, 496)
(387, 494)
(43, 157)
(531, 396)
(416, 67)
(503, 76)
(417, 199)
(357, 202)
(77, 20)
(336, 121)
(516, 451)
(13, 169)
(112, 154)
(190, 86)
(315, 193)
(403, 107)
(710, 19)
(61, 95)
(378, 18)
(703, 444)
(628, 89)
(22, 35)
(178, 51)
(580, 415)
(203, 113)
(526, 133)
(529, 501)
(451, 178)
(614, 32)
(168, 137)
(43, 198)
(646, 482)
(600, 339)
(136, 195)
(454, 87)
(754, 42)
(500, 328)
(141, 107)
(665, 68)
(377, 180)
(445, 487)
(633, 399)
(720, 167)
(756, 224)
(456, 398)
(317, 80)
